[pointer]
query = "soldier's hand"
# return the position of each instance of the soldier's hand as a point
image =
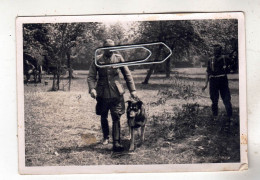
(134, 95)
(93, 93)
(203, 89)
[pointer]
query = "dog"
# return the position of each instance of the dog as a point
(136, 118)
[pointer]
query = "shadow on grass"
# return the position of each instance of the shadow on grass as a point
(99, 148)
(92, 147)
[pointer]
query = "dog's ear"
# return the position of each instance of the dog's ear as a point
(129, 102)
(139, 103)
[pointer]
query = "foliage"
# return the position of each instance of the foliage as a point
(186, 120)
(179, 125)
(33, 36)
(57, 42)
(190, 41)
(218, 31)
(179, 89)
(178, 35)
(74, 44)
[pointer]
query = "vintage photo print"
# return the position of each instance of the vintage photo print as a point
(131, 93)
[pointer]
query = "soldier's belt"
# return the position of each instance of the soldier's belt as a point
(215, 76)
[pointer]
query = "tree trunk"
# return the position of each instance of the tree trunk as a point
(62, 55)
(149, 73)
(58, 81)
(56, 75)
(168, 68)
(152, 68)
(70, 68)
(53, 82)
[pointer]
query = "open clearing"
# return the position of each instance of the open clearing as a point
(61, 128)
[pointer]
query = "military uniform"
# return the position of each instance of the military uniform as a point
(110, 92)
(218, 84)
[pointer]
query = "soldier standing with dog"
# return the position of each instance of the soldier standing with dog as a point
(217, 70)
(105, 86)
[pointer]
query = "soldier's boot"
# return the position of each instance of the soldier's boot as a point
(226, 125)
(117, 146)
(105, 129)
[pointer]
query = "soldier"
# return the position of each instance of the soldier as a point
(108, 91)
(218, 84)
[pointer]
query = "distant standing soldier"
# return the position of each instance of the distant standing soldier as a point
(218, 84)
(104, 85)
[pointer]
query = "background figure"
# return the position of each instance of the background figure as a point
(218, 84)
(29, 69)
(109, 91)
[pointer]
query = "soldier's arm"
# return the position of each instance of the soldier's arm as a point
(227, 62)
(92, 76)
(207, 77)
(206, 82)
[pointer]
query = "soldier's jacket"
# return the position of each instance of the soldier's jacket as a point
(106, 80)
(218, 66)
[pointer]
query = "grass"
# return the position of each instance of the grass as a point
(61, 128)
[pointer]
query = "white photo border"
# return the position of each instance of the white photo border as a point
(206, 167)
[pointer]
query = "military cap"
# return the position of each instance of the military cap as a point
(108, 43)
(216, 46)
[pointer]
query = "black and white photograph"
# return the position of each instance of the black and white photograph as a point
(131, 93)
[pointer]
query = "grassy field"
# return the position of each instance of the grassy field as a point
(61, 128)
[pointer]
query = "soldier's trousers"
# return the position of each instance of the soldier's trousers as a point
(115, 126)
(117, 107)
(219, 85)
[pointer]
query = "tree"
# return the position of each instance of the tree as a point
(33, 50)
(93, 36)
(223, 32)
(95, 33)
(62, 38)
(33, 37)
(56, 42)
(178, 35)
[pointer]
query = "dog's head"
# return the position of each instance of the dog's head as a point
(134, 108)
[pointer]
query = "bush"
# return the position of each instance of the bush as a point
(180, 125)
